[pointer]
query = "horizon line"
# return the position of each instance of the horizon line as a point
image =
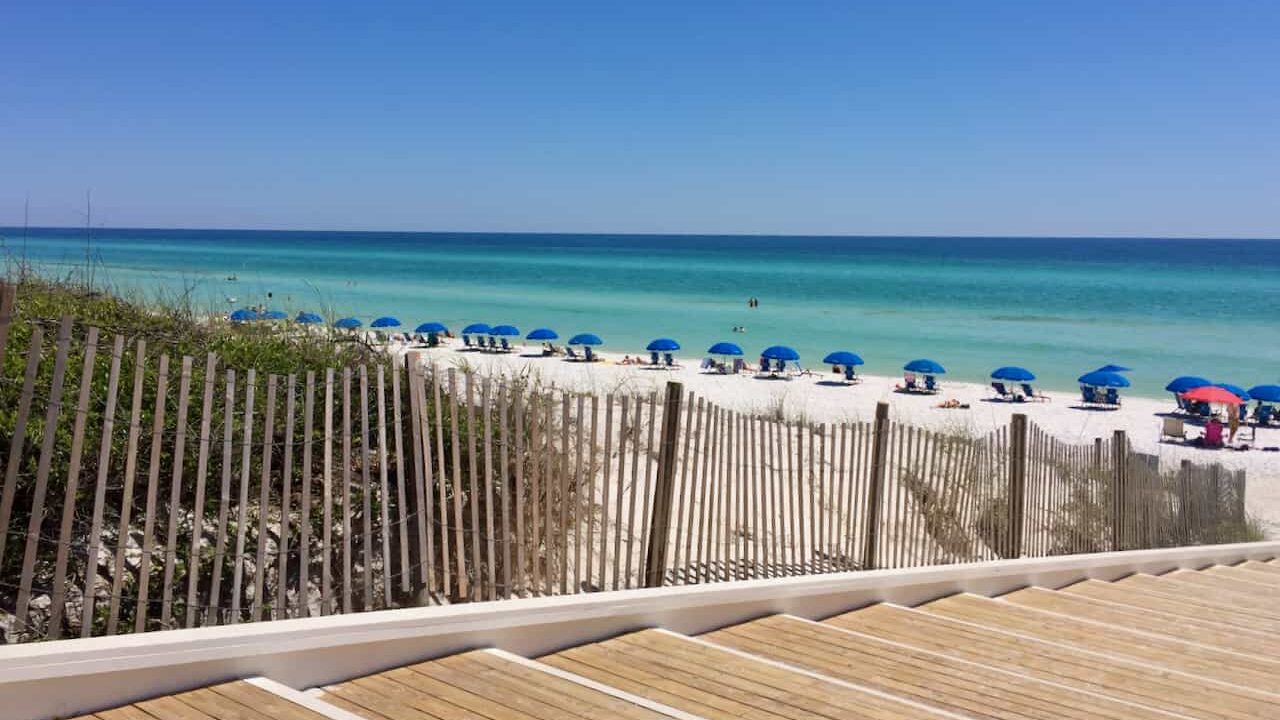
(78, 228)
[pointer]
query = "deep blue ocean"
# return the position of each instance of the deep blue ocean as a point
(1059, 307)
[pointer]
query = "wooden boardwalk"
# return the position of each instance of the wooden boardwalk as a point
(1187, 644)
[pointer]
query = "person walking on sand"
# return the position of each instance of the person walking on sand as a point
(1233, 422)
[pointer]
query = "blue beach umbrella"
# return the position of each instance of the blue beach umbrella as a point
(1184, 383)
(725, 348)
(347, 323)
(306, 318)
(780, 352)
(1100, 378)
(244, 315)
(385, 322)
(476, 329)
(1265, 393)
(542, 334)
(1234, 390)
(504, 330)
(1013, 373)
(924, 366)
(275, 315)
(431, 327)
(1114, 369)
(842, 357)
(585, 339)
(663, 345)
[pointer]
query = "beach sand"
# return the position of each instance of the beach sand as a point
(819, 398)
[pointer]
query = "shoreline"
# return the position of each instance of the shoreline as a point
(820, 398)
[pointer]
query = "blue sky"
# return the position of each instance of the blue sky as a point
(1025, 118)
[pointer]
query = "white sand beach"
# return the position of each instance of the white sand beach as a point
(820, 398)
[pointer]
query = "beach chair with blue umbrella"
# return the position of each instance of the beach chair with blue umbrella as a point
(926, 367)
(385, 322)
(544, 336)
(1264, 395)
(308, 318)
(275, 315)
(662, 345)
(587, 341)
(433, 331)
(244, 315)
(502, 332)
(1183, 383)
(846, 361)
(347, 323)
(1009, 374)
(728, 352)
(779, 355)
(1102, 387)
(474, 334)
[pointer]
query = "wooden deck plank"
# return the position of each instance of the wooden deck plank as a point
(1182, 605)
(128, 712)
(169, 708)
(356, 691)
(465, 699)
(1159, 650)
(1271, 568)
(1262, 606)
(1192, 628)
(501, 678)
(1243, 575)
(533, 680)
(375, 703)
(219, 706)
(1227, 581)
(716, 684)
(956, 685)
(262, 701)
(1089, 672)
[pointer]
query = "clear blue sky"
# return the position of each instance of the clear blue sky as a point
(1118, 117)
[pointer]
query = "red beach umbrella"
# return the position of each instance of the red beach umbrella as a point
(1212, 394)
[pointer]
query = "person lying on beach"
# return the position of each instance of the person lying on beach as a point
(952, 404)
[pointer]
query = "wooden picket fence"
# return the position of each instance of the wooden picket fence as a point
(189, 494)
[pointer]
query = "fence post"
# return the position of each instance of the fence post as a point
(1215, 506)
(879, 467)
(8, 298)
(1184, 501)
(1238, 510)
(1017, 483)
(664, 491)
(1119, 482)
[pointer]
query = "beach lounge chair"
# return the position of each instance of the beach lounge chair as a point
(909, 384)
(930, 384)
(1112, 397)
(1262, 415)
(493, 343)
(849, 377)
(506, 347)
(1089, 394)
(568, 351)
(707, 364)
(653, 359)
(1002, 391)
(466, 341)
(1173, 428)
(1031, 394)
(739, 365)
(669, 360)
(587, 354)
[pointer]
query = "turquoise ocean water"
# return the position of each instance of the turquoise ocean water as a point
(1059, 307)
